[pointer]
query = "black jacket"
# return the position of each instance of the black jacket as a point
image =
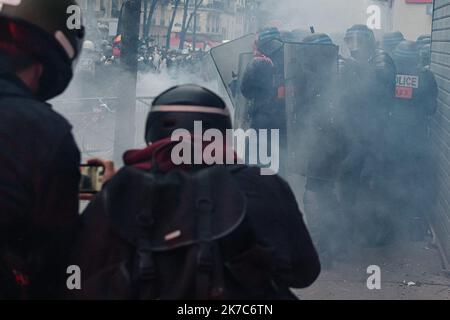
(260, 84)
(278, 223)
(366, 96)
(274, 219)
(39, 177)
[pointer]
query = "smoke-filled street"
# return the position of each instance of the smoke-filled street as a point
(409, 271)
(225, 150)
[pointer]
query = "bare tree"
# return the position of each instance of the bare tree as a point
(184, 24)
(187, 22)
(171, 23)
(149, 11)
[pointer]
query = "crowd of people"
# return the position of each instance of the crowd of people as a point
(151, 57)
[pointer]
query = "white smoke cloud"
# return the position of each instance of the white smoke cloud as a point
(328, 16)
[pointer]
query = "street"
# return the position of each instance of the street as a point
(409, 271)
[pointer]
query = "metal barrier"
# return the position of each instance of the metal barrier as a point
(93, 121)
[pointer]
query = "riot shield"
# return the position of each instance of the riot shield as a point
(310, 78)
(231, 60)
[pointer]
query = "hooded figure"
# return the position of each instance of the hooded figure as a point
(39, 162)
(271, 210)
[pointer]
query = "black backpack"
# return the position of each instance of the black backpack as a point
(181, 235)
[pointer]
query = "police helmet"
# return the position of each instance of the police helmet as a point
(319, 38)
(359, 38)
(268, 41)
(423, 40)
(406, 50)
(390, 40)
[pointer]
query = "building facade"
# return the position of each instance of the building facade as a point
(440, 127)
(412, 17)
(215, 20)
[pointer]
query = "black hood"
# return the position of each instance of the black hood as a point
(11, 85)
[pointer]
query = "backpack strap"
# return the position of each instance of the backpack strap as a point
(146, 268)
(205, 258)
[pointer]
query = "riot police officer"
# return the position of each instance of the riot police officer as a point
(39, 162)
(416, 94)
(423, 40)
(263, 84)
(272, 219)
(390, 41)
(325, 153)
(424, 46)
(366, 91)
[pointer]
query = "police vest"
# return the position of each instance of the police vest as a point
(406, 85)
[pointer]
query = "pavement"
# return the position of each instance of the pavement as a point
(409, 271)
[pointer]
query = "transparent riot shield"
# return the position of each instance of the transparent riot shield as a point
(310, 78)
(231, 60)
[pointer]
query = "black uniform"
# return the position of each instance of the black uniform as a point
(411, 155)
(263, 84)
(39, 179)
(259, 86)
(324, 151)
(366, 96)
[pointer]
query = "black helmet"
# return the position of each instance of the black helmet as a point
(319, 38)
(423, 40)
(407, 53)
(180, 106)
(287, 36)
(268, 41)
(391, 40)
(425, 55)
(360, 41)
(48, 31)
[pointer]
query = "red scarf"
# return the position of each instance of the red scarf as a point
(160, 154)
